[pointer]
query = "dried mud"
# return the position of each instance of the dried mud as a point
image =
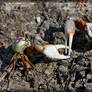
(71, 75)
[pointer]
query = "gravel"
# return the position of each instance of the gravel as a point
(44, 23)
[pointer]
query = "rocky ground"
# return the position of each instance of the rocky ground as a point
(71, 75)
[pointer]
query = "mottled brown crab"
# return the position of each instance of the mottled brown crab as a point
(22, 43)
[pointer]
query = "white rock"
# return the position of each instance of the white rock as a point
(38, 19)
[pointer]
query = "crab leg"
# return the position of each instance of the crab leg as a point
(14, 63)
(78, 5)
(82, 4)
(70, 42)
(22, 58)
(26, 58)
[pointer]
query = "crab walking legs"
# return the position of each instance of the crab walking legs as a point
(80, 5)
(69, 33)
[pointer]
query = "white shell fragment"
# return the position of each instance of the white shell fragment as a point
(38, 19)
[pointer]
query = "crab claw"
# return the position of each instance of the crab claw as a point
(51, 51)
(69, 33)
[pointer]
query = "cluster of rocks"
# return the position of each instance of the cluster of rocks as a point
(44, 23)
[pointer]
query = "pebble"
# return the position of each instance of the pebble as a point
(38, 19)
(88, 86)
(14, 84)
(89, 76)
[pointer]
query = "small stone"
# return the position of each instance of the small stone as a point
(62, 68)
(78, 84)
(38, 19)
(47, 72)
(4, 26)
(88, 86)
(71, 85)
(82, 73)
(7, 7)
(89, 76)
(14, 84)
(73, 77)
(91, 65)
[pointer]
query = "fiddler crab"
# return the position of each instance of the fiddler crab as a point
(22, 43)
(69, 28)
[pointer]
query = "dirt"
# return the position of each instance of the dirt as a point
(71, 75)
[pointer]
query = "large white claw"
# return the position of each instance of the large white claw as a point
(51, 51)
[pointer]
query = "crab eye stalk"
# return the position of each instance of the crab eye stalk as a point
(24, 35)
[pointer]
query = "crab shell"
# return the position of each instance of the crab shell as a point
(51, 51)
(20, 44)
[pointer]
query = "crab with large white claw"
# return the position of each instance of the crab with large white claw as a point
(51, 51)
(19, 45)
(22, 44)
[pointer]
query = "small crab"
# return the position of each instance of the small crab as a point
(19, 46)
(22, 44)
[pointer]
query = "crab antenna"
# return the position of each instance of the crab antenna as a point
(24, 35)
